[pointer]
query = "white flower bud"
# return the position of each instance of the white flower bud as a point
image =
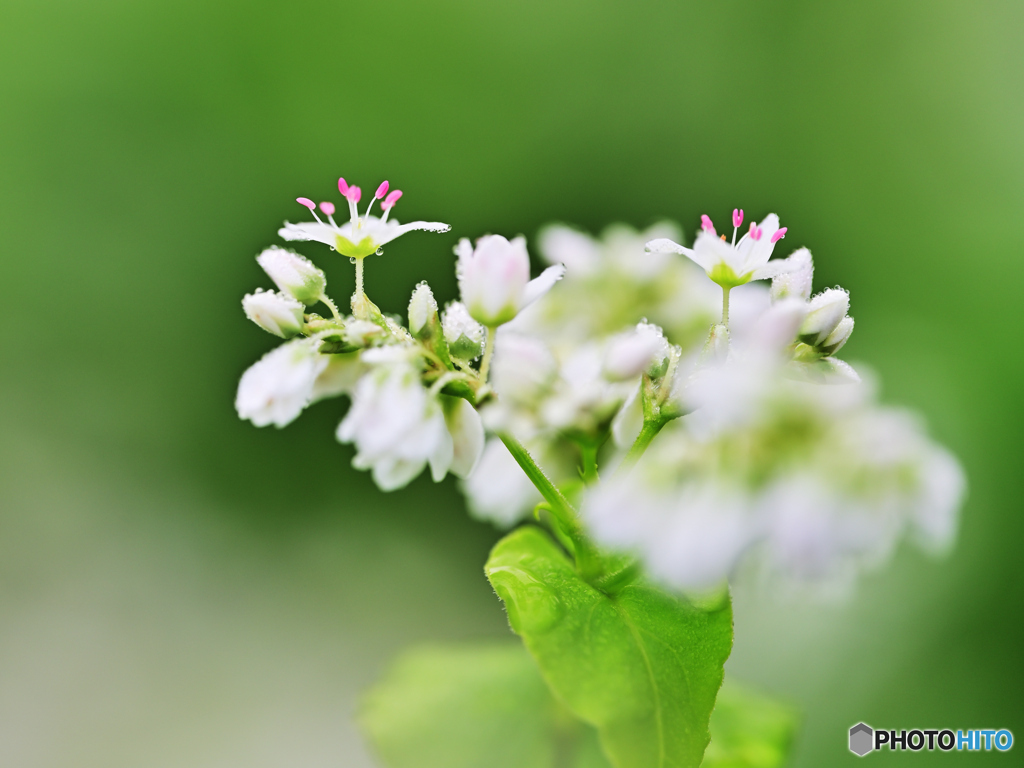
(467, 431)
(637, 350)
(826, 310)
(279, 385)
(277, 313)
(465, 336)
(494, 278)
(797, 278)
(839, 336)
(362, 333)
(422, 307)
(293, 274)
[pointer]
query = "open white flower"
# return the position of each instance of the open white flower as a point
(276, 313)
(361, 235)
(494, 278)
(732, 263)
(276, 388)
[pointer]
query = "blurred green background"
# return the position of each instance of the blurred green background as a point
(180, 588)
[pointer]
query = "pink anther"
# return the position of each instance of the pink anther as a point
(391, 199)
(353, 193)
(779, 234)
(343, 187)
(737, 216)
(306, 202)
(706, 225)
(381, 190)
(327, 208)
(755, 231)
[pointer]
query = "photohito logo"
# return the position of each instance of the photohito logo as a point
(865, 739)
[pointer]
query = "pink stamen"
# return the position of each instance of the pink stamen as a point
(779, 235)
(737, 216)
(390, 200)
(706, 225)
(353, 193)
(381, 190)
(343, 187)
(327, 208)
(306, 202)
(755, 231)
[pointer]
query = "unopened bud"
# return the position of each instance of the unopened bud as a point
(630, 354)
(362, 333)
(464, 335)
(293, 274)
(826, 310)
(277, 313)
(796, 280)
(422, 310)
(839, 336)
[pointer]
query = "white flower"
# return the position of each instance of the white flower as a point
(631, 353)
(339, 376)
(293, 274)
(465, 336)
(494, 278)
(397, 427)
(826, 311)
(277, 313)
(361, 235)
(276, 388)
(467, 431)
(730, 263)
(523, 369)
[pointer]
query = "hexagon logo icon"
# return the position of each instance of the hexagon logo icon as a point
(862, 739)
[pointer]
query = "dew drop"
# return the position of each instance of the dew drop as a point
(379, 252)
(352, 260)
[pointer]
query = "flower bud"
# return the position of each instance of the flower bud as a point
(362, 333)
(638, 350)
(826, 310)
(465, 336)
(277, 313)
(839, 336)
(293, 274)
(796, 279)
(494, 278)
(422, 310)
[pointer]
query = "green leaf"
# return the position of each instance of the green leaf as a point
(749, 730)
(472, 706)
(642, 667)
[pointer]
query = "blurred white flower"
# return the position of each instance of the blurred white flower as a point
(808, 483)
(631, 353)
(293, 274)
(276, 388)
(797, 280)
(277, 313)
(494, 278)
(732, 263)
(361, 235)
(825, 312)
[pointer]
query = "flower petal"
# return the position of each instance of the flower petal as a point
(308, 230)
(467, 434)
(542, 284)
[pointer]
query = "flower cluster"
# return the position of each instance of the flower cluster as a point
(703, 426)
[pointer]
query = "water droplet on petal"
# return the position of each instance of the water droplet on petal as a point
(352, 260)
(379, 252)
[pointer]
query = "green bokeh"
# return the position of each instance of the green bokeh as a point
(180, 588)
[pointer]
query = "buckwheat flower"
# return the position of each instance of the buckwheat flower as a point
(797, 280)
(276, 388)
(732, 263)
(397, 427)
(276, 313)
(293, 274)
(464, 335)
(361, 235)
(631, 353)
(494, 278)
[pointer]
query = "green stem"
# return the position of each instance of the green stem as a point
(485, 364)
(648, 432)
(359, 278)
(588, 561)
(332, 306)
(588, 453)
(725, 306)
